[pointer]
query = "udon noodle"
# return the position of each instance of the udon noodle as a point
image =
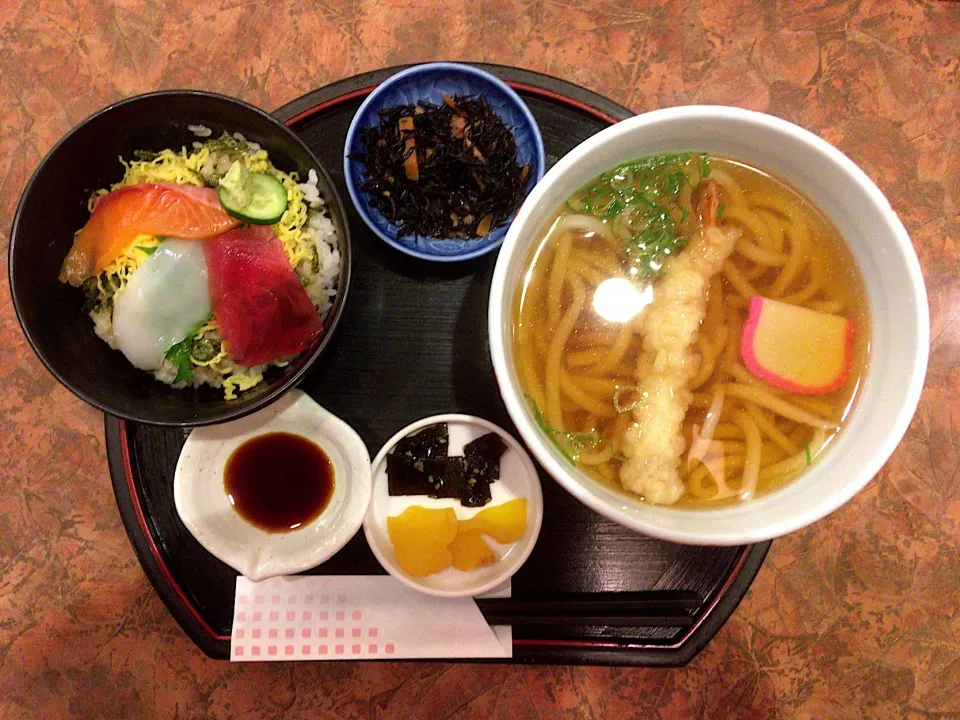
(628, 364)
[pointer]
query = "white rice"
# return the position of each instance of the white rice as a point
(200, 130)
(310, 192)
(167, 373)
(323, 286)
(215, 166)
(103, 326)
(253, 146)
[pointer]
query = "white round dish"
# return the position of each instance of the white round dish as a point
(205, 509)
(518, 478)
(899, 315)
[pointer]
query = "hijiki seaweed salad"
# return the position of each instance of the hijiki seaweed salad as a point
(443, 171)
(207, 265)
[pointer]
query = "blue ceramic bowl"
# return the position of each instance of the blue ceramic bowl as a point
(429, 83)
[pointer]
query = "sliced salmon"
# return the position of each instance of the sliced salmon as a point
(261, 308)
(182, 211)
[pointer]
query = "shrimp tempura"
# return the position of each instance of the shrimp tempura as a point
(653, 443)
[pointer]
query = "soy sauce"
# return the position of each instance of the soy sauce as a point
(278, 481)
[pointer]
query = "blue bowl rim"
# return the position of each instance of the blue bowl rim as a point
(379, 90)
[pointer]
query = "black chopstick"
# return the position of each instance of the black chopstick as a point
(652, 608)
(674, 619)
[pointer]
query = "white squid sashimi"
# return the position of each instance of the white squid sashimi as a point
(164, 299)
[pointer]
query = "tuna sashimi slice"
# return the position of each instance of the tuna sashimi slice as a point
(259, 304)
(182, 211)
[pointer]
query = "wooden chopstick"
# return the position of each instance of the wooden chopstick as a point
(653, 608)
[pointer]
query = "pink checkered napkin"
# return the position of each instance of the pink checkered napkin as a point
(357, 617)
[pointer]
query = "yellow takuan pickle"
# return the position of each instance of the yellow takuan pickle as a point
(505, 523)
(470, 551)
(428, 540)
(421, 537)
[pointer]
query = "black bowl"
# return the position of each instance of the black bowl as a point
(54, 206)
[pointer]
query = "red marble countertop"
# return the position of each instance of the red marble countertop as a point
(854, 617)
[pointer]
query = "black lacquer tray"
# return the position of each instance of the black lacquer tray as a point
(412, 343)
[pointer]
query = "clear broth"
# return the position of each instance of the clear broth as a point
(593, 337)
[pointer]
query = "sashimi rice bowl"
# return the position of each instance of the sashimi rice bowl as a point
(207, 264)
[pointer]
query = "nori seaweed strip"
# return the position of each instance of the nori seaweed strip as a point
(419, 465)
(478, 493)
(436, 477)
(468, 179)
(482, 457)
(432, 441)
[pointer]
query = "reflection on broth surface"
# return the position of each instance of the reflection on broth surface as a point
(629, 331)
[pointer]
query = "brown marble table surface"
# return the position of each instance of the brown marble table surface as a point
(856, 616)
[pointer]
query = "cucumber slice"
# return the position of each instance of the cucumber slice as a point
(267, 201)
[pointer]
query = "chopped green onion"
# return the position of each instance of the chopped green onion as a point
(720, 209)
(640, 196)
(571, 445)
(204, 350)
(806, 450)
(179, 353)
(704, 166)
(228, 145)
(622, 407)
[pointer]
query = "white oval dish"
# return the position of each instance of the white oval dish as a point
(518, 478)
(205, 509)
